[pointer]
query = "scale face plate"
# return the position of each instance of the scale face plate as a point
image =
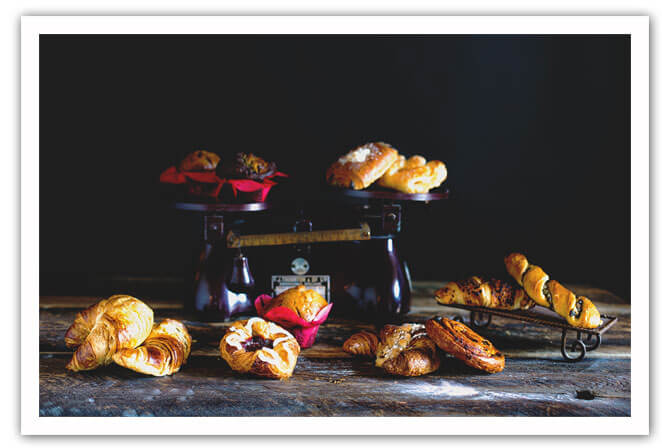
(319, 283)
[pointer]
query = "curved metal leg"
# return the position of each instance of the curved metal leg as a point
(590, 346)
(479, 320)
(577, 346)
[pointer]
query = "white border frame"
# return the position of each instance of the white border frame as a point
(636, 26)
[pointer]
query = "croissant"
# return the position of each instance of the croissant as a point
(363, 343)
(118, 322)
(577, 311)
(406, 350)
(163, 353)
(477, 291)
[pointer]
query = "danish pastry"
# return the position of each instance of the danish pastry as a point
(199, 160)
(414, 175)
(363, 343)
(406, 350)
(306, 303)
(462, 342)
(577, 311)
(477, 291)
(261, 348)
(247, 166)
(362, 166)
(164, 351)
(98, 332)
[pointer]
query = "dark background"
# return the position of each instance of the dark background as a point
(534, 131)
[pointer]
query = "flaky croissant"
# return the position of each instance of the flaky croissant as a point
(163, 353)
(118, 322)
(363, 343)
(478, 291)
(406, 350)
(577, 311)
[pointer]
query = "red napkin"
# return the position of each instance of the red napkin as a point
(304, 331)
(173, 176)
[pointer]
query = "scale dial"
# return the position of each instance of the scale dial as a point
(300, 266)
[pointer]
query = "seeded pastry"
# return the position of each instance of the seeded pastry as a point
(362, 166)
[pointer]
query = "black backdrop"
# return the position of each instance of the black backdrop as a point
(534, 131)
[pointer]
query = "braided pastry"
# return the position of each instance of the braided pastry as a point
(477, 291)
(462, 342)
(98, 332)
(363, 343)
(406, 350)
(577, 311)
(260, 347)
(163, 353)
(414, 175)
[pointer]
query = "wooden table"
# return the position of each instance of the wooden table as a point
(328, 382)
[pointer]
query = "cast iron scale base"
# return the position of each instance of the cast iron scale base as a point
(482, 317)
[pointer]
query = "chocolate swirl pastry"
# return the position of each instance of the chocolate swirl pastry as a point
(247, 166)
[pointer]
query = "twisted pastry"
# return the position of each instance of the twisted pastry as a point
(163, 353)
(577, 311)
(118, 322)
(363, 343)
(477, 291)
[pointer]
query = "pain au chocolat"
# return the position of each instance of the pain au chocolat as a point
(479, 291)
(362, 166)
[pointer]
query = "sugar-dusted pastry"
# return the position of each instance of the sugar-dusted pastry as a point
(462, 342)
(478, 291)
(362, 166)
(406, 350)
(98, 332)
(164, 351)
(577, 311)
(414, 175)
(199, 160)
(363, 343)
(247, 166)
(261, 348)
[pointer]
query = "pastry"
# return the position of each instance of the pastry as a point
(477, 291)
(261, 348)
(306, 303)
(406, 350)
(247, 166)
(577, 311)
(98, 332)
(362, 166)
(163, 353)
(363, 343)
(199, 160)
(462, 342)
(414, 175)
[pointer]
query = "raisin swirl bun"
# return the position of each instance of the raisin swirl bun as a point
(478, 291)
(577, 311)
(463, 343)
(261, 348)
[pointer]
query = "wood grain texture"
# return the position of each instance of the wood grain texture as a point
(328, 382)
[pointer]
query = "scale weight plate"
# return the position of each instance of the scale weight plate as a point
(319, 283)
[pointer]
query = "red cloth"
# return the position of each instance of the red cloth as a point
(173, 176)
(304, 331)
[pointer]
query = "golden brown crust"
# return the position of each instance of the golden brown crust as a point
(363, 343)
(462, 342)
(164, 351)
(478, 291)
(305, 302)
(199, 160)
(362, 166)
(578, 312)
(120, 321)
(406, 350)
(261, 348)
(414, 175)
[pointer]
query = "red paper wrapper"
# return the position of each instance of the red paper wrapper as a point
(304, 331)
(257, 191)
